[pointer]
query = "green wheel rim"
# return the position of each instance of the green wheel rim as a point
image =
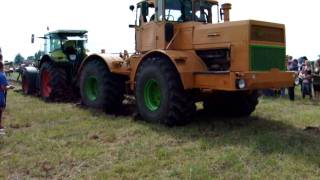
(91, 87)
(152, 95)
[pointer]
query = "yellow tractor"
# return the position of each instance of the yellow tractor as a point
(188, 51)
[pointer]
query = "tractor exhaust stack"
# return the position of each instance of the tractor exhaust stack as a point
(226, 11)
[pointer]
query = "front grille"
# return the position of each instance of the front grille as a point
(271, 34)
(265, 58)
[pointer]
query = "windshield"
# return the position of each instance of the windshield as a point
(203, 11)
(181, 10)
(74, 44)
(55, 43)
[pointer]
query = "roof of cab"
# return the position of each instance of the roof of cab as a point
(65, 32)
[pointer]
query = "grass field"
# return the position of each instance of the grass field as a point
(14, 76)
(59, 141)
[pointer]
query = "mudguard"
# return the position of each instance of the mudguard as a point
(186, 63)
(109, 60)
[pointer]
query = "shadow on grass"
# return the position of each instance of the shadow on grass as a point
(68, 98)
(262, 136)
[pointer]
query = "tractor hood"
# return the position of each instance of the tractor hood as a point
(249, 44)
(229, 33)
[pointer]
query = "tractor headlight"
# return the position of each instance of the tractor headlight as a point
(73, 57)
(241, 84)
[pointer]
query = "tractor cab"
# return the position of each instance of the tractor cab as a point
(188, 10)
(157, 21)
(66, 45)
(177, 11)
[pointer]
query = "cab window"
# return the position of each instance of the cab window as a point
(47, 44)
(204, 11)
(55, 44)
(178, 11)
(145, 19)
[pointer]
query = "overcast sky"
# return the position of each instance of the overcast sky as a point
(107, 22)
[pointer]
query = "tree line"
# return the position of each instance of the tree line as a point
(19, 59)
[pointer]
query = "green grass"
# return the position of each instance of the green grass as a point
(59, 141)
(14, 76)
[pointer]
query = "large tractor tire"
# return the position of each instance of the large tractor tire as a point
(160, 95)
(29, 80)
(232, 104)
(101, 89)
(53, 82)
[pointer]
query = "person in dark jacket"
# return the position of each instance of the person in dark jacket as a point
(307, 80)
(316, 80)
(294, 66)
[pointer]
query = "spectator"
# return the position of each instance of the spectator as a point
(306, 80)
(1, 60)
(301, 62)
(288, 64)
(1, 57)
(301, 66)
(4, 86)
(316, 80)
(293, 67)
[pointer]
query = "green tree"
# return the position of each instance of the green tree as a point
(38, 55)
(18, 59)
(30, 58)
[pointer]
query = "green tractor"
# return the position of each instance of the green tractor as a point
(55, 75)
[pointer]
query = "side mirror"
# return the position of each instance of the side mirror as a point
(144, 9)
(131, 7)
(32, 38)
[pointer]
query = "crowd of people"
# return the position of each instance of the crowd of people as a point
(308, 77)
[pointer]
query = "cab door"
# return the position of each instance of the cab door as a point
(146, 30)
(148, 36)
